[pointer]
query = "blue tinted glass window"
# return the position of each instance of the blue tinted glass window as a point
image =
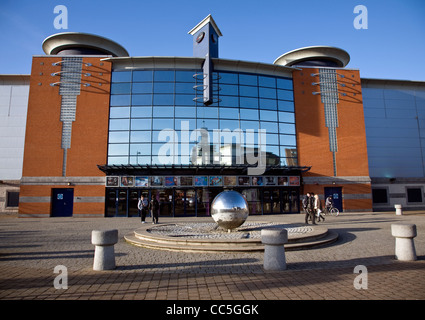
(164, 75)
(185, 76)
(118, 136)
(254, 125)
(185, 124)
(248, 91)
(268, 115)
(231, 78)
(272, 138)
(163, 112)
(270, 127)
(163, 87)
(185, 112)
(287, 128)
(185, 88)
(184, 100)
(119, 124)
(287, 140)
(248, 79)
(228, 89)
(140, 136)
(229, 113)
(267, 93)
(285, 95)
(285, 105)
(121, 88)
(142, 100)
(287, 117)
(142, 76)
(251, 103)
(120, 100)
(269, 104)
(228, 101)
(141, 124)
(140, 149)
(284, 83)
(209, 124)
(249, 114)
(159, 124)
(121, 76)
(117, 160)
(267, 82)
(207, 112)
(119, 112)
(142, 87)
(163, 99)
(229, 124)
(118, 149)
(141, 112)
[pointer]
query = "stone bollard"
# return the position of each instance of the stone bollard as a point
(274, 251)
(404, 245)
(398, 209)
(104, 254)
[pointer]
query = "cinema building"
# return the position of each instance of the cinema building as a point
(104, 128)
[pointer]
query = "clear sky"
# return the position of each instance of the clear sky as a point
(392, 46)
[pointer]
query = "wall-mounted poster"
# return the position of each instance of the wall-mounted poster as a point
(294, 181)
(201, 181)
(156, 181)
(216, 181)
(282, 181)
(127, 181)
(185, 181)
(141, 181)
(171, 181)
(112, 181)
(229, 180)
(244, 181)
(257, 181)
(270, 181)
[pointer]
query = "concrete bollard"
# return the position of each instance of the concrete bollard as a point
(404, 245)
(274, 251)
(398, 209)
(104, 254)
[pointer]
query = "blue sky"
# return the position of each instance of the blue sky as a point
(393, 46)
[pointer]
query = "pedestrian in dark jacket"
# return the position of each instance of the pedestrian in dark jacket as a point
(154, 208)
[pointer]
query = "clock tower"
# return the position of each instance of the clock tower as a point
(205, 38)
(205, 45)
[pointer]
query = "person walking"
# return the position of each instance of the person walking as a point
(318, 208)
(142, 205)
(305, 203)
(154, 208)
(308, 205)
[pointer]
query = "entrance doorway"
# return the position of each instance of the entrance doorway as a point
(336, 194)
(62, 202)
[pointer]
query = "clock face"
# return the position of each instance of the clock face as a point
(200, 37)
(213, 38)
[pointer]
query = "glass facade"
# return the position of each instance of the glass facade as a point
(153, 108)
(156, 110)
(395, 131)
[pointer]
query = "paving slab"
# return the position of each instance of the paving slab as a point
(30, 249)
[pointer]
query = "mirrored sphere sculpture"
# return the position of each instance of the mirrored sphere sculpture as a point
(229, 209)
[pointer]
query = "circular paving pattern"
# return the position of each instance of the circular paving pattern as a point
(249, 230)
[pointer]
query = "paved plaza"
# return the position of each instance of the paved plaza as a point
(30, 249)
